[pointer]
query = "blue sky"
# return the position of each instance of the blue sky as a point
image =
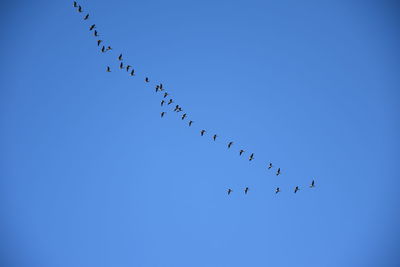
(90, 175)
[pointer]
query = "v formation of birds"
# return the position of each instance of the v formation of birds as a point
(166, 101)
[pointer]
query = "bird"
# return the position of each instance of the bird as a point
(157, 88)
(269, 165)
(120, 57)
(241, 152)
(161, 87)
(121, 66)
(146, 79)
(176, 108)
(183, 116)
(190, 123)
(278, 171)
(230, 144)
(246, 190)
(95, 33)
(165, 94)
(162, 114)
(251, 157)
(108, 69)
(128, 67)
(86, 17)
(215, 137)
(132, 72)
(296, 189)
(92, 27)
(312, 184)
(229, 191)
(109, 48)
(98, 42)
(103, 49)
(179, 109)
(79, 9)
(202, 132)
(170, 101)
(162, 102)
(75, 4)
(277, 190)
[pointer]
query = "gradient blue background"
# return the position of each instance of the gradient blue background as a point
(91, 176)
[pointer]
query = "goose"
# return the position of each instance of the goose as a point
(229, 191)
(202, 132)
(230, 144)
(183, 116)
(95, 33)
(312, 184)
(92, 27)
(162, 102)
(190, 123)
(251, 157)
(120, 57)
(128, 67)
(79, 9)
(103, 49)
(98, 42)
(296, 189)
(170, 101)
(132, 72)
(277, 190)
(162, 114)
(86, 17)
(108, 69)
(241, 152)
(75, 4)
(269, 165)
(121, 66)
(146, 79)
(165, 94)
(278, 171)
(246, 190)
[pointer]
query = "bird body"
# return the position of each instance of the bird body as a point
(128, 67)
(79, 9)
(86, 17)
(95, 33)
(278, 171)
(215, 137)
(165, 94)
(312, 184)
(183, 116)
(296, 189)
(269, 165)
(120, 57)
(121, 66)
(170, 101)
(92, 27)
(190, 123)
(230, 144)
(75, 4)
(108, 69)
(202, 132)
(246, 190)
(277, 190)
(98, 42)
(146, 79)
(241, 152)
(162, 102)
(103, 49)
(162, 114)
(251, 157)
(132, 72)
(229, 191)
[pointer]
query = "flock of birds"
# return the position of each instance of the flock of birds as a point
(167, 101)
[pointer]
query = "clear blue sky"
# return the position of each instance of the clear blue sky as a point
(90, 175)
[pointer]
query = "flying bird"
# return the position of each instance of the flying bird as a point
(296, 189)
(120, 57)
(109, 48)
(132, 72)
(128, 67)
(176, 108)
(312, 184)
(277, 190)
(103, 49)
(75, 4)
(229, 191)
(108, 69)
(190, 123)
(241, 152)
(92, 27)
(179, 109)
(202, 132)
(269, 165)
(95, 33)
(161, 87)
(86, 17)
(251, 157)
(246, 190)
(79, 9)
(157, 88)
(162, 102)
(278, 171)
(146, 79)
(215, 137)
(165, 94)
(98, 42)
(230, 144)
(170, 101)
(121, 66)
(162, 114)
(183, 116)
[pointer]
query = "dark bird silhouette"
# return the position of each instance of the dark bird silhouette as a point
(79, 9)
(296, 189)
(132, 72)
(176, 108)
(157, 88)
(312, 184)
(109, 48)
(95, 33)
(202, 132)
(179, 109)
(241, 152)
(170, 101)
(120, 57)
(161, 87)
(190, 123)
(251, 157)
(75, 4)
(103, 49)
(277, 190)
(246, 190)
(162, 114)
(229, 191)
(146, 79)
(108, 69)
(98, 42)
(215, 137)
(183, 116)
(128, 67)
(162, 102)
(92, 27)
(278, 171)
(86, 17)
(269, 165)
(230, 144)
(121, 66)
(165, 94)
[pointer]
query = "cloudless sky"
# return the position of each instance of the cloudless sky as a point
(90, 175)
